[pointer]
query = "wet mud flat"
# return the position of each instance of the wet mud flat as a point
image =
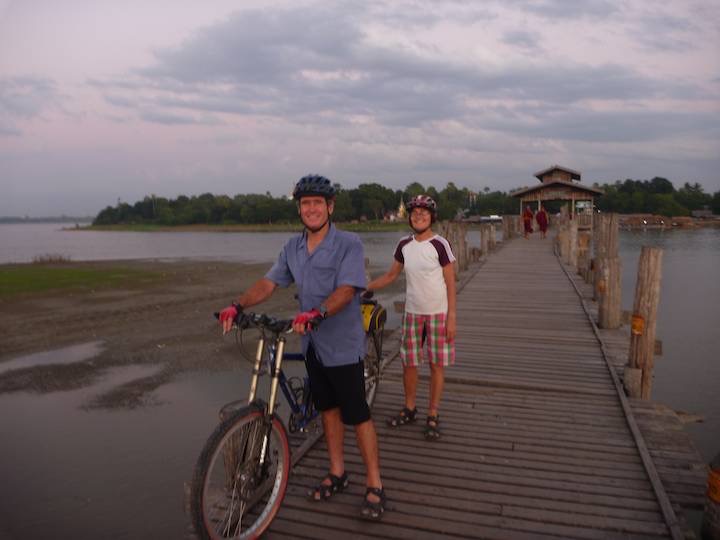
(63, 340)
(107, 396)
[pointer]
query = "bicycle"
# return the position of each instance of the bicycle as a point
(241, 475)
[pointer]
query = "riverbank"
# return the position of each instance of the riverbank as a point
(360, 226)
(655, 221)
(163, 321)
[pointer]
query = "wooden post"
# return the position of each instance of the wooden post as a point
(600, 248)
(462, 255)
(484, 239)
(572, 243)
(562, 244)
(609, 308)
(711, 517)
(642, 332)
(583, 255)
(609, 312)
(493, 237)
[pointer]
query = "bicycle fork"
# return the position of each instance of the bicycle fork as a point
(276, 354)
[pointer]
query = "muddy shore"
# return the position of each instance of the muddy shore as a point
(166, 323)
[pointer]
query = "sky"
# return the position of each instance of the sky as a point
(104, 101)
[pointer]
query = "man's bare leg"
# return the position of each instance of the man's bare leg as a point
(334, 437)
(367, 443)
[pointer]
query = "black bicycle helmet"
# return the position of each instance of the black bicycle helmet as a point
(313, 184)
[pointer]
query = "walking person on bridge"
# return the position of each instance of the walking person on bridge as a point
(527, 218)
(429, 310)
(542, 220)
(327, 265)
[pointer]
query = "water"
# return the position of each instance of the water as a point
(66, 355)
(78, 472)
(21, 243)
(687, 375)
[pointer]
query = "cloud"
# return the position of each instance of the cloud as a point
(258, 63)
(526, 40)
(23, 98)
(562, 9)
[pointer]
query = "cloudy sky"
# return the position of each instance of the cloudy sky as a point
(103, 100)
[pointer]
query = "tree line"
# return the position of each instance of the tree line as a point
(373, 201)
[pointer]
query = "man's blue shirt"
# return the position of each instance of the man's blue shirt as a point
(338, 260)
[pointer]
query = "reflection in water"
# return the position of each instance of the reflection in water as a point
(66, 355)
(93, 474)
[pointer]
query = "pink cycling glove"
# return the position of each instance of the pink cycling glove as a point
(229, 313)
(306, 316)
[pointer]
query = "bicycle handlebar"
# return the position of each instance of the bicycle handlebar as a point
(266, 322)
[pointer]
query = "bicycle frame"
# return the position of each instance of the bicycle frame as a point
(276, 356)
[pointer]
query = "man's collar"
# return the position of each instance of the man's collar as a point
(327, 240)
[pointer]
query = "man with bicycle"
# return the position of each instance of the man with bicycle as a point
(327, 266)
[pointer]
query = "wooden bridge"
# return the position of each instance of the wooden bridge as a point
(538, 437)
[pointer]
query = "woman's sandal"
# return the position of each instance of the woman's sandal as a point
(373, 511)
(431, 432)
(406, 416)
(323, 492)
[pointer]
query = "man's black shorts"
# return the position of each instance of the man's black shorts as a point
(340, 386)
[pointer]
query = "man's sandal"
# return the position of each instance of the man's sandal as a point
(406, 416)
(373, 511)
(323, 492)
(431, 432)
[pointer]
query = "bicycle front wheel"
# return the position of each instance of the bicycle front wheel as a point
(371, 364)
(241, 476)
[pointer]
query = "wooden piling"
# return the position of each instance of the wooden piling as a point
(599, 249)
(642, 332)
(609, 308)
(572, 243)
(506, 226)
(484, 239)
(583, 254)
(711, 516)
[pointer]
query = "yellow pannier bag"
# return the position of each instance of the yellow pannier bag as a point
(373, 314)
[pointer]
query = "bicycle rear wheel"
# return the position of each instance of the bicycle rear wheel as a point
(371, 364)
(233, 495)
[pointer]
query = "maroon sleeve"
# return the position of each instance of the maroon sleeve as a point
(398, 250)
(441, 251)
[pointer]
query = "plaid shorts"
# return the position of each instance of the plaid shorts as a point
(418, 329)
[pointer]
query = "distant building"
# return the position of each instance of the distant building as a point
(559, 183)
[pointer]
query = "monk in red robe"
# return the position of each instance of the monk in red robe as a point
(542, 220)
(527, 217)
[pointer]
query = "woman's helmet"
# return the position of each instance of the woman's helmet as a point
(423, 201)
(313, 184)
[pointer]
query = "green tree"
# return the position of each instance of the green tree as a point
(413, 189)
(715, 203)
(692, 196)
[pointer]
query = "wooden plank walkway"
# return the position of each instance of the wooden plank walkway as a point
(536, 440)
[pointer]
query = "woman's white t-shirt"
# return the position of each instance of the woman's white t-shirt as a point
(423, 261)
